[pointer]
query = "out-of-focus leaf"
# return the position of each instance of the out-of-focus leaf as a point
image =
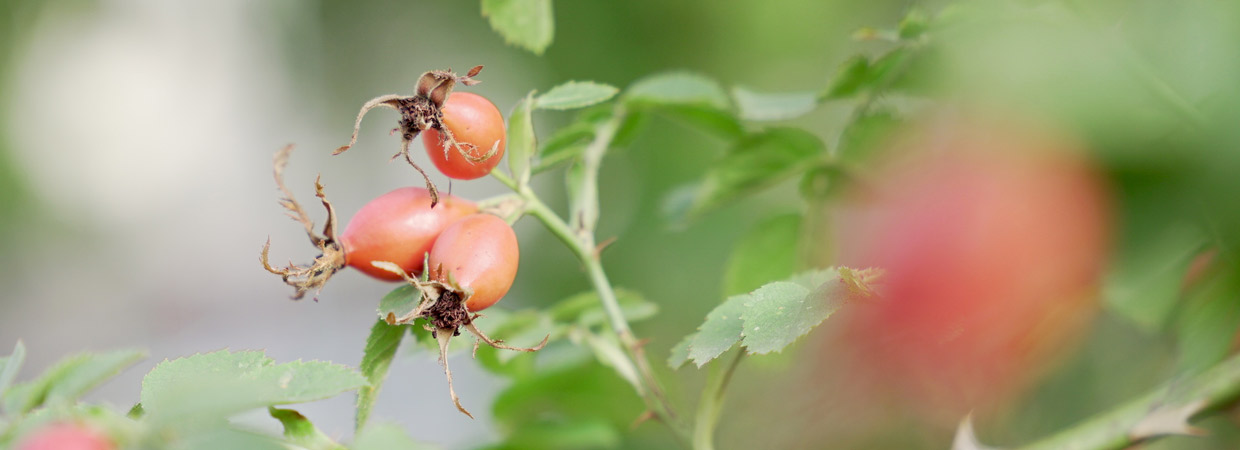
(68, 379)
(570, 433)
(1207, 328)
(721, 123)
(849, 79)
(9, 365)
(865, 133)
(769, 251)
(528, 24)
(376, 360)
(385, 437)
(575, 94)
(677, 88)
(522, 143)
(219, 438)
(301, 432)
(782, 106)
(569, 141)
(212, 386)
(721, 330)
(575, 392)
(1145, 284)
(757, 161)
(914, 24)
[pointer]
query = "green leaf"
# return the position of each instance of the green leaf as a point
(1144, 285)
(722, 329)
(914, 25)
(571, 140)
(213, 386)
(386, 436)
(865, 133)
(757, 161)
(220, 438)
(567, 433)
(522, 143)
(774, 315)
(679, 354)
(528, 24)
(778, 313)
(299, 431)
(720, 122)
(677, 88)
(767, 252)
(887, 68)
(588, 392)
(69, 379)
(10, 365)
(399, 302)
(376, 360)
(758, 106)
(849, 79)
(575, 94)
(1207, 328)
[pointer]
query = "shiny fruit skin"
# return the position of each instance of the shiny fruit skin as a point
(994, 243)
(400, 227)
(472, 119)
(66, 437)
(478, 253)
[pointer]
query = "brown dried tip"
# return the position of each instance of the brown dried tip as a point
(420, 112)
(444, 308)
(313, 276)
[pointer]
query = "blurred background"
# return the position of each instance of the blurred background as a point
(136, 139)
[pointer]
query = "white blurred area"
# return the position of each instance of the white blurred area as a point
(146, 129)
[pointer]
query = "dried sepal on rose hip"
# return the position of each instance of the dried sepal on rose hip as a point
(425, 111)
(471, 266)
(399, 227)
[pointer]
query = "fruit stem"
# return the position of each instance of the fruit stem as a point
(710, 405)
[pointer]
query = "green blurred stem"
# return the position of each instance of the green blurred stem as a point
(711, 403)
(1211, 390)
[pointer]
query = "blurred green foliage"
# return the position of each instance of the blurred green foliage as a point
(1148, 86)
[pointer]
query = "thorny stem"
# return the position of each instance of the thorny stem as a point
(1120, 428)
(710, 405)
(580, 239)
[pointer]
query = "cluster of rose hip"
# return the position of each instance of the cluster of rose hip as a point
(460, 260)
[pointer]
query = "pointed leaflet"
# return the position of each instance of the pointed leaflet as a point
(720, 332)
(376, 360)
(965, 438)
(575, 94)
(522, 143)
(9, 366)
(782, 106)
(299, 431)
(69, 379)
(778, 313)
(528, 24)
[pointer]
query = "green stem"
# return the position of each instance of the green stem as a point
(711, 403)
(580, 239)
(1117, 429)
